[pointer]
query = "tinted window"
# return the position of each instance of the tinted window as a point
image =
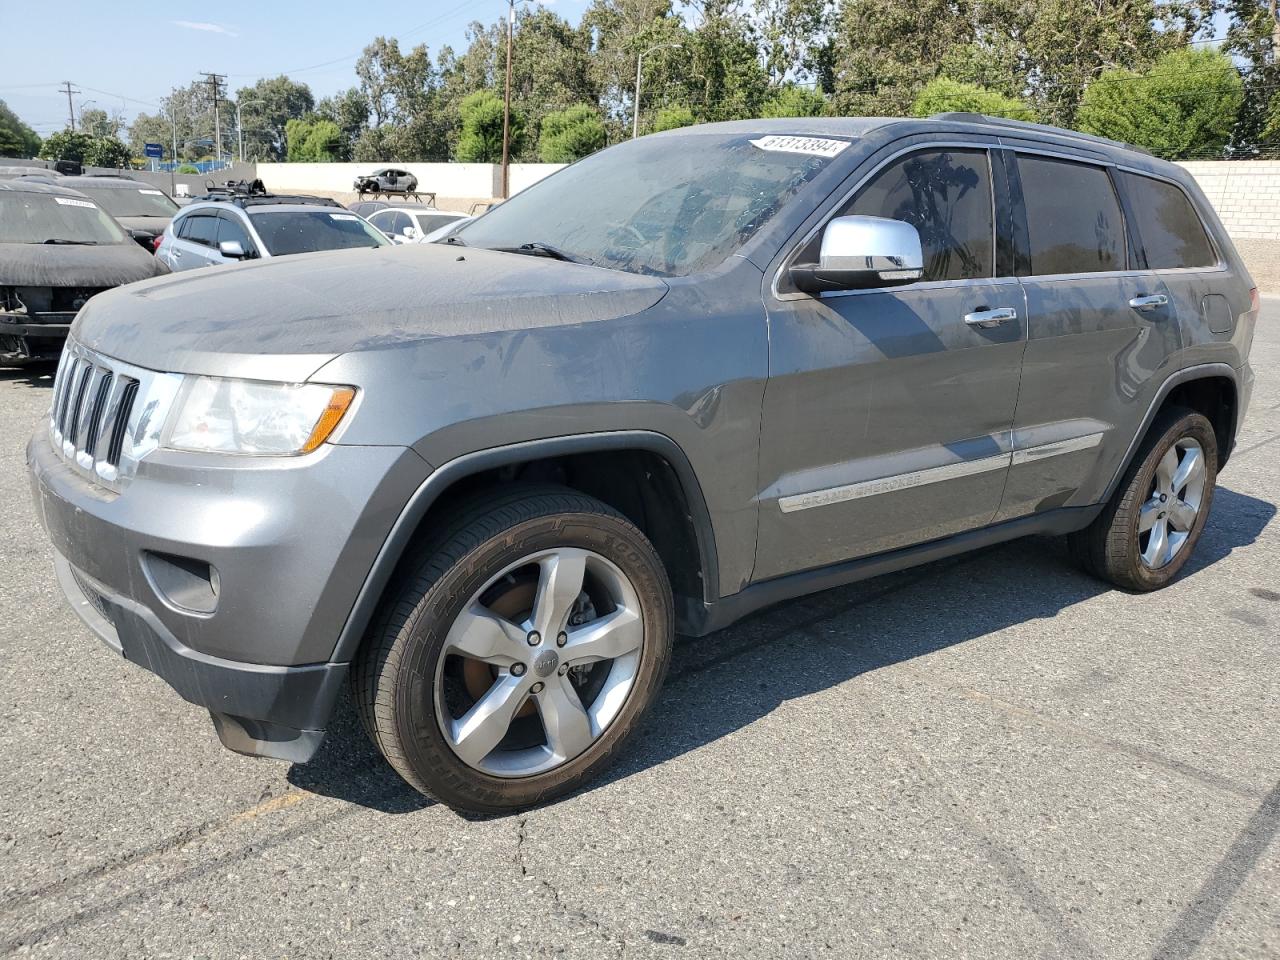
(200, 228)
(230, 228)
(305, 231)
(1169, 232)
(382, 220)
(428, 222)
(1073, 217)
(946, 196)
(400, 223)
(139, 201)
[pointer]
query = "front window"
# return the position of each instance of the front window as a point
(48, 218)
(306, 231)
(667, 206)
(130, 202)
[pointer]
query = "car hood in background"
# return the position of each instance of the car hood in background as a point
(75, 265)
(284, 317)
(147, 226)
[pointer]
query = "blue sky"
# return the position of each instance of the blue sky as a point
(140, 50)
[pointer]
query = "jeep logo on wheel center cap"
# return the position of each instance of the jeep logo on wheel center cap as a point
(546, 663)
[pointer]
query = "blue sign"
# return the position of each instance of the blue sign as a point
(153, 150)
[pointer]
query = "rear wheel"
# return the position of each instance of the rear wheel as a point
(517, 655)
(1147, 531)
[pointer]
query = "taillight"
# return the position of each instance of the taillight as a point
(155, 244)
(1255, 302)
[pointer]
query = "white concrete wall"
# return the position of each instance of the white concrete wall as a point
(527, 174)
(445, 179)
(1246, 194)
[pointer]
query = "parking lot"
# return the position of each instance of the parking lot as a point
(991, 756)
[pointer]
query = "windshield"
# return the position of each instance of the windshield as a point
(47, 218)
(306, 231)
(142, 201)
(670, 205)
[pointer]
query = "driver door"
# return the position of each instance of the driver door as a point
(887, 413)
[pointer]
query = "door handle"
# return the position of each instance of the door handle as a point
(1147, 304)
(990, 318)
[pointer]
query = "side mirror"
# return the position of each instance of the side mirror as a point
(410, 233)
(862, 252)
(232, 249)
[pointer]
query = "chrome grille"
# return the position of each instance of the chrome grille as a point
(107, 415)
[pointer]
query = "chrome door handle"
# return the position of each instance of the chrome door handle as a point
(1147, 304)
(990, 318)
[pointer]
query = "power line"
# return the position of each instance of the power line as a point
(215, 81)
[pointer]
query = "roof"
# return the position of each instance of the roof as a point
(418, 208)
(35, 185)
(856, 127)
(244, 200)
(108, 181)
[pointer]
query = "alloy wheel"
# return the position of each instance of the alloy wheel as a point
(1168, 517)
(539, 662)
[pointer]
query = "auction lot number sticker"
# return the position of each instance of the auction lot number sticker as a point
(813, 146)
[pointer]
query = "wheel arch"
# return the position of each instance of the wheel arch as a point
(694, 577)
(1211, 389)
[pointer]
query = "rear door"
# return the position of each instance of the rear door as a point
(192, 239)
(1102, 333)
(1170, 240)
(887, 415)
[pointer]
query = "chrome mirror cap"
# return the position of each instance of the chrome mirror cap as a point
(862, 252)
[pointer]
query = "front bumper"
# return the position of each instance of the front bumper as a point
(287, 545)
(20, 339)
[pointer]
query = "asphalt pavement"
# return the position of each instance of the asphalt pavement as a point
(991, 756)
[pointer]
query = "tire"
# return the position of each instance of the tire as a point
(454, 643)
(1114, 547)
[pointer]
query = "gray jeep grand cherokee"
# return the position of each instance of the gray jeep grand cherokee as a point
(487, 481)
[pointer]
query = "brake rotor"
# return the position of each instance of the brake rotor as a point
(511, 599)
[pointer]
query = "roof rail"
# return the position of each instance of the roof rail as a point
(260, 199)
(966, 117)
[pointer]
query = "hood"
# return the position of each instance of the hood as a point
(145, 226)
(68, 265)
(283, 318)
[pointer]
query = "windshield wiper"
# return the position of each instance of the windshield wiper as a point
(537, 248)
(85, 243)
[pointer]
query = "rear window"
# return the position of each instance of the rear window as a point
(306, 231)
(1073, 217)
(46, 218)
(1170, 234)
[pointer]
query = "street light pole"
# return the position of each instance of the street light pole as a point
(240, 126)
(506, 104)
(635, 108)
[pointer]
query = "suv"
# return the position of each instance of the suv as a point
(143, 210)
(487, 481)
(413, 224)
(227, 227)
(58, 248)
(386, 181)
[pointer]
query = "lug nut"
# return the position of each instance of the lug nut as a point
(534, 638)
(517, 669)
(561, 639)
(537, 687)
(564, 668)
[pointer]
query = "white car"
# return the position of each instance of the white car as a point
(413, 224)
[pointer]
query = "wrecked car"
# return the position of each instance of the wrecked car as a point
(58, 249)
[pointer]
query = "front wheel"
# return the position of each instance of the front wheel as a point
(1145, 534)
(515, 657)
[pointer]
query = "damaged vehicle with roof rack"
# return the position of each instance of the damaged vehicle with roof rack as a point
(58, 249)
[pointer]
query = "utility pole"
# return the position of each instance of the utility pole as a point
(635, 107)
(506, 105)
(215, 81)
(71, 110)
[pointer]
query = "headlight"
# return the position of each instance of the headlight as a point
(215, 415)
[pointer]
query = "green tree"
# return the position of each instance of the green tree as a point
(1185, 105)
(481, 137)
(66, 145)
(349, 110)
(16, 138)
(313, 140)
(672, 118)
(942, 95)
(266, 109)
(569, 135)
(107, 152)
(794, 101)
